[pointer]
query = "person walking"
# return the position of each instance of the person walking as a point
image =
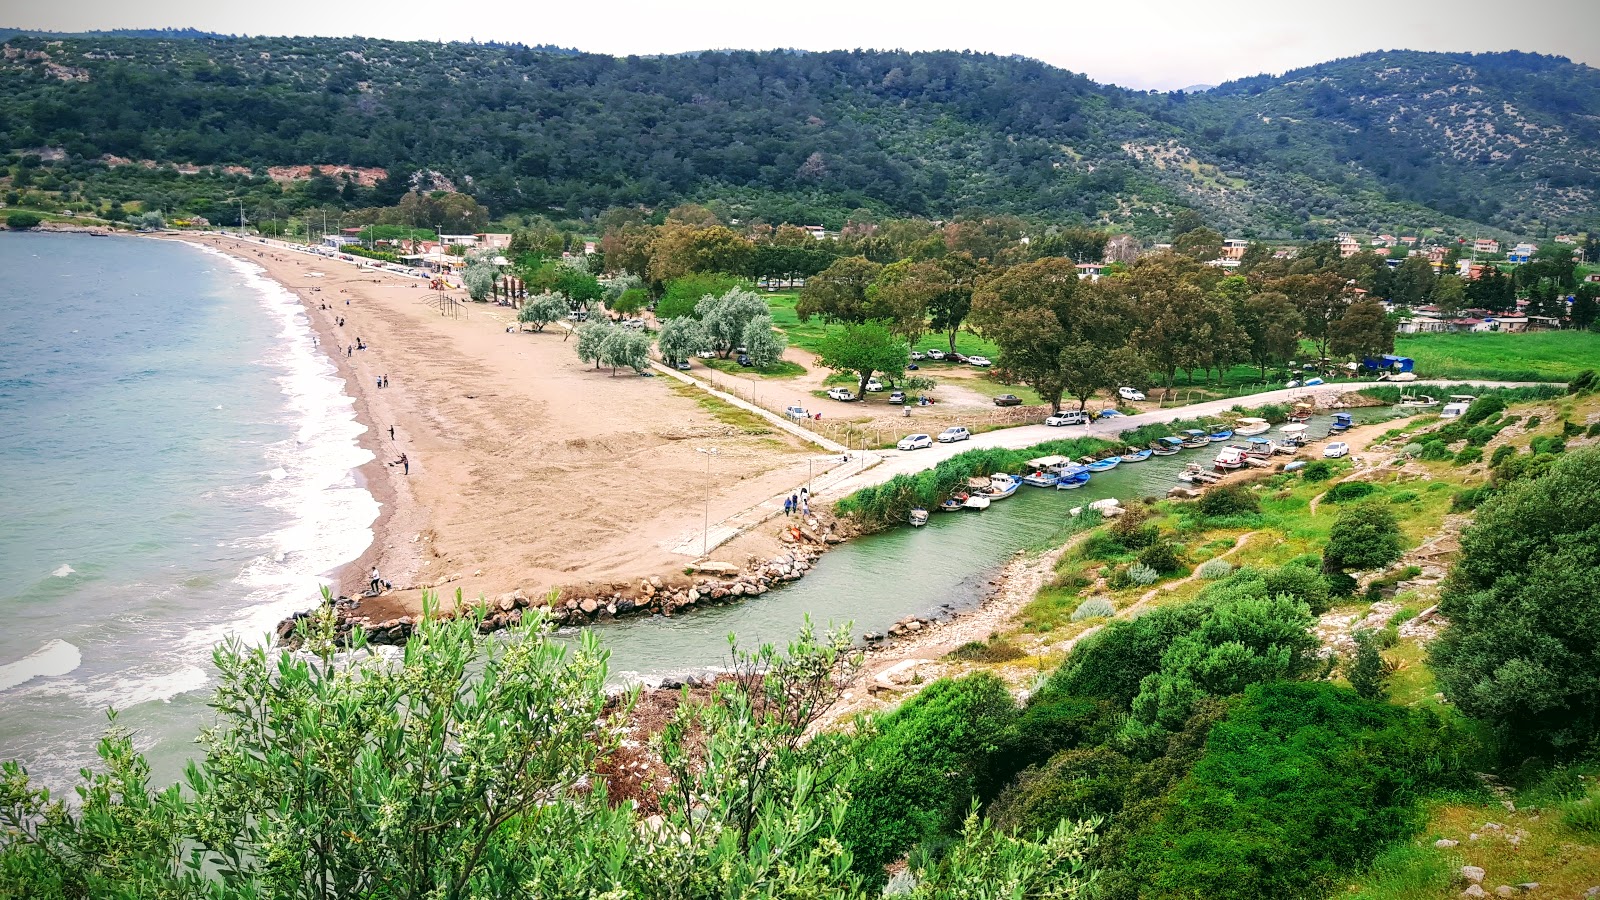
(805, 508)
(788, 506)
(377, 582)
(391, 432)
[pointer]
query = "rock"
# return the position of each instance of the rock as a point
(738, 590)
(716, 568)
(1527, 886)
(624, 606)
(694, 595)
(655, 581)
(518, 597)
(1445, 843)
(718, 593)
(1510, 807)
(1514, 839)
(588, 606)
(1473, 874)
(1473, 836)
(1473, 891)
(1504, 890)
(507, 603)
(913, 626)
(1492, 826)
(872, 637)
(1592, 892)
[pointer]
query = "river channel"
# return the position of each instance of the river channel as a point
(876, 580)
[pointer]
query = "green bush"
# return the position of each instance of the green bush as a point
(1142, 575)
(1534, 422)
(1317, 470)
(23, 221)
(1109, 665)
(1469, 455)
(1468, 499)
(1364, 537)
(1585, 382)
(1435, 451)
(1594, 430)
(1481, 434)
(1306, 585)
(1582, 813)
(1229, 500)
(1547, 444)
(1405, 872)
(1075, 784)
(1501, 454)
(1346, 491)
(1369, 672)
(1213, 569)
(1571, 429)
(1482, 408)
(995, 650)
(1094, 608)
(1162, 557)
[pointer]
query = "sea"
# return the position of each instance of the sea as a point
(177, 468)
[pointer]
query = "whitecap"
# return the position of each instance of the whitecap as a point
(54, 658)
(278, 474)
(62, 571)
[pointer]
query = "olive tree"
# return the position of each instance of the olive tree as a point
(542, 310)
(763, 343)
(592, 337)
(725, 317)
(625, 347)
(680, 339)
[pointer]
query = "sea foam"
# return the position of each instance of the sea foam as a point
(55, 657)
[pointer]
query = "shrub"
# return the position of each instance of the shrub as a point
(1094, 608)
(1585, 382)
(1594, 430)
(1143, 574)
(1341, 585)
(1137, 537)
(1074, 784)
(1229, 500)
(1482, 408)
(996, 650)
(1162, 557)
(1306, 585)
(1522, 651)
(1481, 434)
(1571, 429)
(1364, 537)
(23, 221)
(1412, 450)
(1547, 444)
(1318, 470)
(1110, 665)
(1435, 451)
(1468, 499)
(1533, 422)
(1501, 454)
(1346, 491)
(1403, 497)
(1212, 569)
(1369, 672)
(1582, 813)
(1469, 455)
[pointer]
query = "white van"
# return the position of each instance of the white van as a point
(1074, 417)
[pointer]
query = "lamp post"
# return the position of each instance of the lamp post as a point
(705, 535)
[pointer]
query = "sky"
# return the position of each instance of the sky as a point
(1160, 44)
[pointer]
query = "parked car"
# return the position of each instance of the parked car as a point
(936, 354)
(1075, 417)
(954, 433)
(981, 362)
(707, 354)
(796, 412)
(1129, 393)
(1336, 450)
(915, 442)
(918, 355)
(874, 385)
(745, 361)
(955, 357)
(1008, 400)
(681, 365)
(840, 393)
(897, 397)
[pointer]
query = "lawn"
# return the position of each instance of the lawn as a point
(780, 369)
(809, 335)
(1538, 356)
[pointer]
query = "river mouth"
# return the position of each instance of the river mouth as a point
(873, 581)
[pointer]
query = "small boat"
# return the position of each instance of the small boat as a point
(1420, 401)
(1219, 433)
(1167, 446)
(1248, 426)
(919, 517)
(1230, 458)
(1294, 437)
(1103, 465)
(1259, 447)
(1341, 422)
(1133, 456)
(1300, 413)
(976, 501)
(1041, 478)
(1002, 486)
(1196, 475)
(1045, 471)
(1194, 437)
(951, 505)
(1072, 478)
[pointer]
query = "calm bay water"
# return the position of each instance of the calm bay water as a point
(177, 468)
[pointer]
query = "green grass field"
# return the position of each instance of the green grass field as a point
(1538, 356)
(809, 335)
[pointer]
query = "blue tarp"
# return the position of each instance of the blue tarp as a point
(1389, 363)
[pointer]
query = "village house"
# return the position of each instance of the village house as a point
(1436, 255)
(492, 241)
(1409, 241)
(1233, 248)
(1521, 253)
(1091, 271)
(1566, 239)
(1348, 246)
(1485, 245)
(459, 240)
(338, 240)
(1423, 320)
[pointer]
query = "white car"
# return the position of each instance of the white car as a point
(951, 435)
(981, 362)
(1336, 450)
(915, 442)
(796, 412)
(1064, 417)
(707, 354)
(1129, 393)
(874, 385)
(918, 355)
(840, 393)
(936, 354)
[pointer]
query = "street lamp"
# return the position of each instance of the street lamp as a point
(705, 538)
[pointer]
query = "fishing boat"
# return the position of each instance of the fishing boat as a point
(1248, 426)
(1196, 475)
(952, 504)
(1419, 401)
(1133, 455)
(1341, 422)
(1300, 413)
(1219, 433)
(976, 501)
(1041, 478)
(1002, 486)
(1259, 447)
(1103, 465)
(1045, 471)
(1194, 437)
(919, 517)
(1294, 437)
(1072, 478)
(1167, 446)
(1230, 458)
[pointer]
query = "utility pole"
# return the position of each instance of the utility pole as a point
(705, 538)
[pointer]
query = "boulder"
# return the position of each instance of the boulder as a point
(507, 603)
(714, 567)
(717, 593)
(655, 581)
(694, 595)
(1473, 874)
(738, 590)
(1445, 843)
(1505, 890)
(624, 606)
(588, 606)
(1473, 891)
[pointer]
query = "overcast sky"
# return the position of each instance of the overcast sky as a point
(1135, 43)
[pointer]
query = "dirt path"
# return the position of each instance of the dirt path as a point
(1173, 585)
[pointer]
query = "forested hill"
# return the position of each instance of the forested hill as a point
(1504, 140)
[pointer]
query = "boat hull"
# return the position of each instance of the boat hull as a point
(1072, 483)
(976, 503)
(1140, 456)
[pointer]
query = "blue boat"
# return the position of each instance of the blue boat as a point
(1341, 422)
(1136, 455)
(1072, 478)
(1002, 486)
(1219, 433)
(1103, 465)
(1045, 471)
(1041, 479)
(1259, 447)
(1194, 437)
(1166, 446)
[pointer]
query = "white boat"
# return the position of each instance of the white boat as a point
(1248, 426)
(1194, 437)
(1045, 471)
(1457, 406)
(1196, 475)
(1420, 401)
(919, 517)
(1002, 485)
(1294, 437)
(1230, 458)
(976, 501)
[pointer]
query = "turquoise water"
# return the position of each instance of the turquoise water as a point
(177, 468)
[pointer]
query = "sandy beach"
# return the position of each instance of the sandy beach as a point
(528, 469)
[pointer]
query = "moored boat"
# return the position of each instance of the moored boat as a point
(1002, 486)
(1248, 426)
(1230, 458)
(1045, 471)
(1167, 446)
(1341, 422)
(1194, 437)
(1103, 465)
(1259, 447)
(919, 517)
(1294, 437)
(1041, 478)
(1219, 433)
(976, 501)
(1133, 456)
(1300, 413)
(1072, 478)
(1196, 475)
(1419, 401)
(952, 504)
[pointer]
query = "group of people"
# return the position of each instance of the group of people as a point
(383, 381)
(800, 503)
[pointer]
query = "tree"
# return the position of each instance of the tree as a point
(680, 339)
(682, 295)
(839, 292)
(1586, 305)
(625, 347)
(1272, 329)
(1321, 301)
(726, 317)
(543, 309)
(1029, 312)
(959, 275)
(680, 250)
(763, 343)
(481, 274)
(1200, 244)
(1369, 672)
(592, 337)
(1413, 282)
(1255, 255)
(1087, 369)
(1449, 295)
(900, 296)
(1185, 220)
(1557, 262)
(21, 220)
(1364, 537)
(1363, 331)
(150, 220)
(864, 350)
(1522, 650)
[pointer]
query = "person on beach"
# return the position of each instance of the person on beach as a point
(391, 432)
(405, 462)
(377, 582)
(349, 350)
(805, 508)
(788, 506)
(379, 379)
(386, 380)
(805, 493)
